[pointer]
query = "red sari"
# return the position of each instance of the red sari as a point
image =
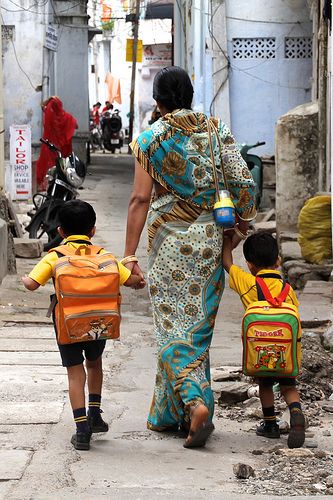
(59, 128)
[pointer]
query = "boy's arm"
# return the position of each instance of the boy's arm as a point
(227, 253)
(41, 273)
(29, 283)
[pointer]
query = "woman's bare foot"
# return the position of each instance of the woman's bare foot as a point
(200, 428)
(199, 415)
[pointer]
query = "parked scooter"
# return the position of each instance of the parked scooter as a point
(95, 136)
(112, 134)
(63, 179)
(254, 163)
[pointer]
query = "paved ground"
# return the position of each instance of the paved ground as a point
(37, 460)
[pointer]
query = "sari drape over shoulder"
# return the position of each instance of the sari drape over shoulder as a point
(185, 273)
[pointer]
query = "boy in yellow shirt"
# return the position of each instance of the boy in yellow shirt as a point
(262, 258)
(77, 226)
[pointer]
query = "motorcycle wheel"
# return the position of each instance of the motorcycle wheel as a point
(50, 233)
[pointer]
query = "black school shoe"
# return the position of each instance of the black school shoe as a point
(296, 436)
(271, 431)
(81, 440)
(96, 423)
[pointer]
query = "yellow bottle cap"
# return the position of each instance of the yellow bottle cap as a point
(225, 203)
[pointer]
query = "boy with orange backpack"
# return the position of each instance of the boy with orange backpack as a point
(86, 312)
(271, 331)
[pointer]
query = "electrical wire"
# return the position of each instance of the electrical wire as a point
(15, 55)
(181, 17)
(266, 22)
(227, 65)
(268, 81)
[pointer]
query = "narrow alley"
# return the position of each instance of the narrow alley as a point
(130, 461)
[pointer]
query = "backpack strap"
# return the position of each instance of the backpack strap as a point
(265, 294)
(64, 250)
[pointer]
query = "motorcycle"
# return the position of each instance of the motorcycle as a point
(112, 134)
(95, 136)
(255, 165)
(63, 179)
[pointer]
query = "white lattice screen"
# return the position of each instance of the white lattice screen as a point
(298, 47)
(254, 48)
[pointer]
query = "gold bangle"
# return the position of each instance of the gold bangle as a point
(239, 232)
(128, 259)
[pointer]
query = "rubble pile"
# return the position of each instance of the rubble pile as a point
(316, 379)
(238, 397)
(283, 471)
(292, 472)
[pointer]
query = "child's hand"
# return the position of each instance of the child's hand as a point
(29, 283)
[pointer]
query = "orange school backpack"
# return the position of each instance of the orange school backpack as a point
(271, 335)
(87, 293)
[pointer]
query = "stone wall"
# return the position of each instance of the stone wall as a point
(3, 249)
(7, 253)
(296, 163)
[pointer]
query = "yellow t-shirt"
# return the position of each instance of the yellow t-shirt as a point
(43, 271)
(244, 284)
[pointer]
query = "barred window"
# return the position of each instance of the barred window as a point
(298, 47)
(7, 32)
(254, 48)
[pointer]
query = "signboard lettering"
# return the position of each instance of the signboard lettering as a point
(20, 161)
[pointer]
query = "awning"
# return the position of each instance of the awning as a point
(159, 11)
(92, 31)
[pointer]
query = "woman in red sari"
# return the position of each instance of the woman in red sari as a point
(59, 128)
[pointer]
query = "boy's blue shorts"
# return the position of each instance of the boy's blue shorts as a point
(72, 354)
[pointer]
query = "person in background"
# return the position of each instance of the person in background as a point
(59, 128)
(96, 114)
(108, 107)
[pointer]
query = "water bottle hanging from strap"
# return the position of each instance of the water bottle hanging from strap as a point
(224, 210)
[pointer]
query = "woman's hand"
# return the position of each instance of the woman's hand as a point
(136, 271)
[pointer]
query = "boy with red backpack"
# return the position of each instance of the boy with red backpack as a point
(86, 313)
(271, 352)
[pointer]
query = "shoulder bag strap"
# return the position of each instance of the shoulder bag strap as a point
(211, 127)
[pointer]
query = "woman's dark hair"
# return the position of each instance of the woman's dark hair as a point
(261, 249)
(173, 88)
(76, 217)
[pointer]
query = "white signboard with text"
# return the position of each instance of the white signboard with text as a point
(20, 161)
(157, 56)
(51, 37)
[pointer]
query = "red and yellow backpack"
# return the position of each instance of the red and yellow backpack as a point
(271, 334)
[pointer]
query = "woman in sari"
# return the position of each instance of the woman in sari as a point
(59, 128)
(185, 273)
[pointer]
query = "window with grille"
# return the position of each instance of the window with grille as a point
(298, 47)
(253, 48)
(7, 32)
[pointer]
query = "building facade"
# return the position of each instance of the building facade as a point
(250, 64)
(45, 52)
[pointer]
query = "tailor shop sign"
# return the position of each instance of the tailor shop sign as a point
(20, 161)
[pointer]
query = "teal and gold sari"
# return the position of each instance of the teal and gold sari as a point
(185, 273)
